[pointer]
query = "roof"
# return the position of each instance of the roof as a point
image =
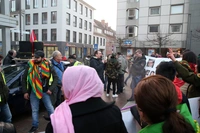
(98, 24)
(85, 3)
(103, 26)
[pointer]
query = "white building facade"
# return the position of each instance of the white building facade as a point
(6, 22)
(140, 21)
(66, 25)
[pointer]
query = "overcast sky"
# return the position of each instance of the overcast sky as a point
(105, 9)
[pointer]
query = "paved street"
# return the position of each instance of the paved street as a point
(23, 121)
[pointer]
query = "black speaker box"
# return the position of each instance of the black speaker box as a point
(25, 50)
(25, 46)
(38, 46)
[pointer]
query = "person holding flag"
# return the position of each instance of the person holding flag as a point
(36, 85)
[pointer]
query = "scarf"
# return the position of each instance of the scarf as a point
(79, 84)
(34, 76)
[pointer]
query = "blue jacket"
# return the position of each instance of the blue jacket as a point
(59, 68)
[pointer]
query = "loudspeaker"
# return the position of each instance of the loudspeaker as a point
(25, 46)
(25, 50)
(38, 46)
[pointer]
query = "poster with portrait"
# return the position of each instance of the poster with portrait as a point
(152, 63)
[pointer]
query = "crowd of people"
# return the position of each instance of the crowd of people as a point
(162, 99)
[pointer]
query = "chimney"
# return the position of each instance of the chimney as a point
(103, 22)
(106, 25)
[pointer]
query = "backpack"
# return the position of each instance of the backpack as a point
(4, 91)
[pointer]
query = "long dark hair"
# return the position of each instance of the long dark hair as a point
(190, 57)
(156, 96)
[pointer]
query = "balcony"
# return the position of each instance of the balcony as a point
(132, 4)
(7, 21)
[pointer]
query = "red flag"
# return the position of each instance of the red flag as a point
(32, 37)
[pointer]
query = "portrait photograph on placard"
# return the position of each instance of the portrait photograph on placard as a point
(147, 73)
(152, 73)
(150, 63)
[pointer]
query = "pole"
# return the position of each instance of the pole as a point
(20, 21)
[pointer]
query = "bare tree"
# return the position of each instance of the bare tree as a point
(120, 41)
(196, 34)
(160, 39)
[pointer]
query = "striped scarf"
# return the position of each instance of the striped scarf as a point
(34, 76)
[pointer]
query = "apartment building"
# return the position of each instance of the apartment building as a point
(64, 25)
(6, 22)
(194, 26)
(104, 37)
(143, 22)
(99, 39)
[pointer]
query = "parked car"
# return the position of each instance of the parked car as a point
(13, 76)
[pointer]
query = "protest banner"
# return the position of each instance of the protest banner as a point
(152, 63)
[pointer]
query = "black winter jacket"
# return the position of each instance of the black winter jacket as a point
(98, 65)
(137, 68)
(95, 116)
(8, 60)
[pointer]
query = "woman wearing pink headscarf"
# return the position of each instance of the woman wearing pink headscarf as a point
(84, 111)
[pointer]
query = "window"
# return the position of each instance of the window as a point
(44, 18)
(154, 11)
(132, 31)
(93, 39)
(68, 19)
(90, 26)
(74, 36)
(100, 41)
(175, 28)
(90, 39)
(133, 0)
(80, 37)
(35, 18)
(28, 19)
(44, 34)
(154, 28)
(85, 25)
(36, 33)
(75, 5)
(27, 4)
(44, 3)
(53, 17)
(90, 14)
(104, 42)
(27, 35)
(68, 4)
(80, 23)
(53, 3)
(35, 3)
(74, 21)
(176, 9)
(81, 9)
(132, 14)
(53, 35)
(79, 52)
(98, 30)
(16, 38)
(97, 40)
(86, 11)
(67, 35)
(13, 5)
(85, 38)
